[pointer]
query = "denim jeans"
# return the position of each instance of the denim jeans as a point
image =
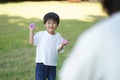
(44, 72)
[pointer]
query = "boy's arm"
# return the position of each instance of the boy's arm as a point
(63, 43)
(60, 47)
(31, 37)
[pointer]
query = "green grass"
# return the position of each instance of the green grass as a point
(17, 57)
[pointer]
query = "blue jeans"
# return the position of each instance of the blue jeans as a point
(43, 72)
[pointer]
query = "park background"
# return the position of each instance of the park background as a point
(17, 57)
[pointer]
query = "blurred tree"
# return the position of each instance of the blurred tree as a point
(2, 1)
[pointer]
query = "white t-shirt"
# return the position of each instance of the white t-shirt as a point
(96, 55)
(47, 47)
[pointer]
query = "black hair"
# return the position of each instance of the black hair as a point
(111, 6)
(51, 15)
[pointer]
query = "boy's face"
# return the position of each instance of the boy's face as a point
(51, 26)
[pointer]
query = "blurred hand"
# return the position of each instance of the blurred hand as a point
(32, 26)
(64, 42)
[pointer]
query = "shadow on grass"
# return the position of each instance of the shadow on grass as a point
(14, 30)
(17, 57)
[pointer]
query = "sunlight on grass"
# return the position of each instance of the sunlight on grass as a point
(66, 10)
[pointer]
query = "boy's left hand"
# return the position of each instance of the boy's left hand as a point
(64, 42)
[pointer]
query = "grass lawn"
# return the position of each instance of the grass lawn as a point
(17, 57)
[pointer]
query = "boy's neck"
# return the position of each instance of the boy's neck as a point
(52, 33)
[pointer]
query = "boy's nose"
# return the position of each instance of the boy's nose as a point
(51, 25)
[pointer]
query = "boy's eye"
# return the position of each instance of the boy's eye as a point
(48, 22)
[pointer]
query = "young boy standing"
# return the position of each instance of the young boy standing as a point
(48, 44)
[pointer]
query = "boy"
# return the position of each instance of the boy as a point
(48, 44)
